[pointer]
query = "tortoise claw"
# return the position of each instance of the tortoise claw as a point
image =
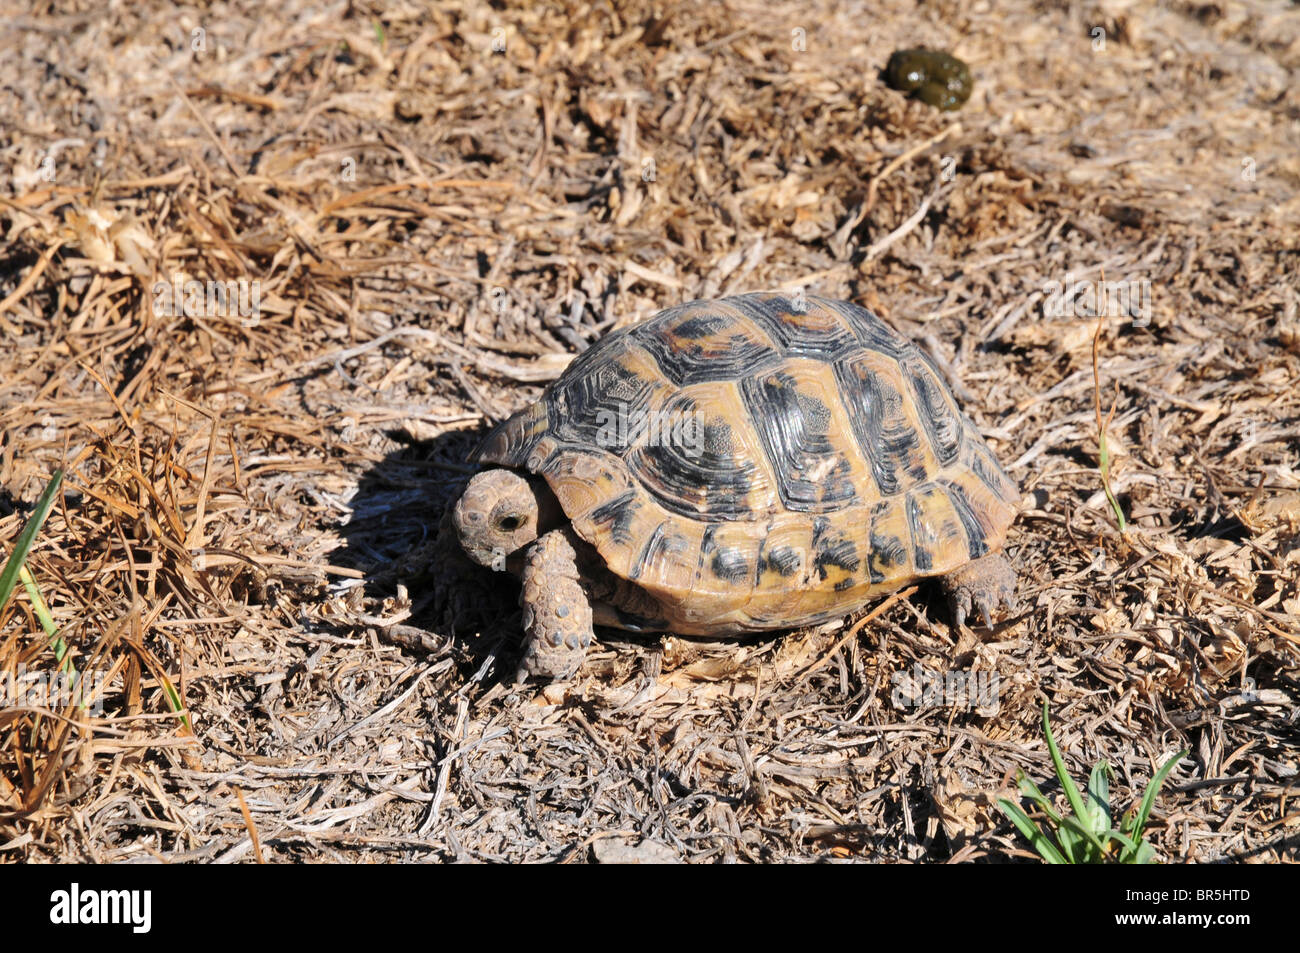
(984, 584)
(960, 604)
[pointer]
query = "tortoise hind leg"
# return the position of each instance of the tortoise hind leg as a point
(981, 584)
(557, 610)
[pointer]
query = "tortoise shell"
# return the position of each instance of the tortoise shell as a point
(752, 463)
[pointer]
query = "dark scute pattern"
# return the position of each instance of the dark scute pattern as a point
(883, 432)
(618, 515)
(648, 552)
(612, 344)
(795, 427)
(587, 409)
(701, 326)
(969, 522)
(508, 444)
(921, 554)
(840, 552)
(942, 424)
(784, 561)
(984, 466)
(792, 330)
(832, 548)
(871, 332)
(670, 337)
(711, 486)
(726, 563)
(887, 551)
(730, 565)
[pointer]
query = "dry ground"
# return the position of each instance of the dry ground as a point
(441, 205)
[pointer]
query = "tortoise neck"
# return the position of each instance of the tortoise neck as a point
(550, 515)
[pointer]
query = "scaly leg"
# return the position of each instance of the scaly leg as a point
(981, 584)
(557, 611)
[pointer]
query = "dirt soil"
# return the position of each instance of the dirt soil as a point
(423, 213)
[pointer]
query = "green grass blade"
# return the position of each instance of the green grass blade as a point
(38, 603)
(1030, 790)
(174, 699)
(1067, 782)
(1099, 818)
(1104, 468)
(1032, 832)
(23, 545)
(1128, 846)
(1089, 849)
(1149, 798)
(47, 620)
(1073, 844)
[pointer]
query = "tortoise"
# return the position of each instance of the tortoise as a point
(733, 466)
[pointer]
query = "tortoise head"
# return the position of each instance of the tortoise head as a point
(500, 512)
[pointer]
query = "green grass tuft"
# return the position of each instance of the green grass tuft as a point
(1088, 837)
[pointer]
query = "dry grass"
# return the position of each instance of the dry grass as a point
(252, 504)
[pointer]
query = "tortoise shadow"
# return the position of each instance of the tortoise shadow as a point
(397, 534)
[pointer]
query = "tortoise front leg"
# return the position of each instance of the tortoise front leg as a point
(557, 611)
(983, 584)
